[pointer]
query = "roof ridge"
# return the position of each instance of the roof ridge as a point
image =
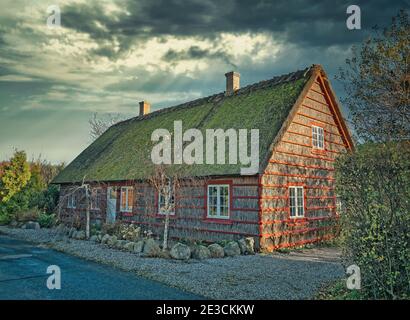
(216, 97)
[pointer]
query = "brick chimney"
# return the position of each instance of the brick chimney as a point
(232, 82)
(144, 107)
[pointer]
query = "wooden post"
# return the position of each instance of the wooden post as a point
(87, 210)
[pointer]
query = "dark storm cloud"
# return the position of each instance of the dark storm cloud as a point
(314, 23)
(195, 52)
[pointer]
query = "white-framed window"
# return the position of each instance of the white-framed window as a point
(166, 200)
(71, 201)
(296, 202)
(95, 198)
(127, 199)
(318, 137)
(218, 201)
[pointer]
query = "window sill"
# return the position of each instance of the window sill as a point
(127, 214)
(318, 151)
(218, 220)
(297, 221)
(163, 215)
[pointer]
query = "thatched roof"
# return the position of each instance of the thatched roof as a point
(123, 151)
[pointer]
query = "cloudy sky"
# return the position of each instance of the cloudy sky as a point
(108, 55)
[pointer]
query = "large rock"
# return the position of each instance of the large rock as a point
(32, 225)
(129, 246)
(151, 248)
(112, 241)
(71, 231)
(216, 250)
(247, 245)
(120, 244)
(94, 238)
(232, 249)
(139, 245)
(201, 252)
(105, 238)
(61, 228)
(80, 235)
(180, 252)
(14, 224)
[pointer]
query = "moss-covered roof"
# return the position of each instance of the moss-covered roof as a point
(123, 152)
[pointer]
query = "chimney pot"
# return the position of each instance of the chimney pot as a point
(232, 82)
(144, 108)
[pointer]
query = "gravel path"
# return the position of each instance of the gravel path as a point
(273, 276)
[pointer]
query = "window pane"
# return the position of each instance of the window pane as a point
(292, 201)
(292, 211)
(224, 211)
(123, 198)
(223, 200)
(130, 198)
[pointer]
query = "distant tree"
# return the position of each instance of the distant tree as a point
(16, 174)
(47, 170)
(376, 81)
(100, 124)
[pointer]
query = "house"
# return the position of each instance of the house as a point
(290, 201)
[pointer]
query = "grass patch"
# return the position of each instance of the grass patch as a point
(337, 290)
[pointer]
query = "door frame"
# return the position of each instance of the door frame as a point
(109, 199)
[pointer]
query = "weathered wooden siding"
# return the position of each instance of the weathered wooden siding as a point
(190, 220)
(295, 162)
(76, 216)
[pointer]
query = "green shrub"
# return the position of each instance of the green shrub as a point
(46, 220)
(129, 232)
(31, 214)
(374, 186)
(111, 228)
(337, 290)
(47, 199)
(5, 218)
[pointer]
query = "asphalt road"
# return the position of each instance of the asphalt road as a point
(23, 275)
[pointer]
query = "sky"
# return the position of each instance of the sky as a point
(109, 55)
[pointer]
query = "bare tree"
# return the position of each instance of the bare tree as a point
(171, 186)
(165, 185)
(86, 188)
(100, 124)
